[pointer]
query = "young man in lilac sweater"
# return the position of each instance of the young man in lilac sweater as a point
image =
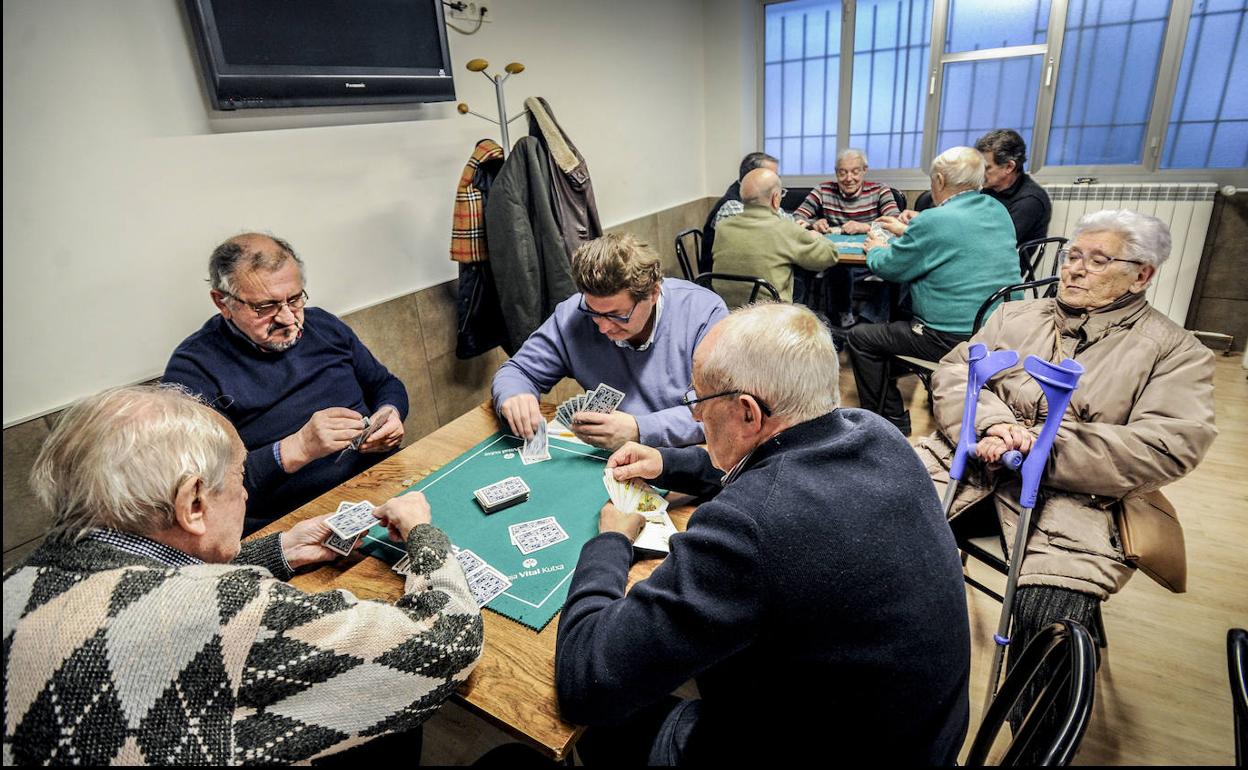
(629, 328)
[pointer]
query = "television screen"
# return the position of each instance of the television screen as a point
(300, 53)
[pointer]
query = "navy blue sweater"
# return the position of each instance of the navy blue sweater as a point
(269, 396)
(817, 600)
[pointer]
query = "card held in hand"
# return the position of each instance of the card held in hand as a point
(353, 520)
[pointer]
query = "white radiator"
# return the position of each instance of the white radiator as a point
(1184, 207)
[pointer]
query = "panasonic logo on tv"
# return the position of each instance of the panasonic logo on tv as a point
(356, 85)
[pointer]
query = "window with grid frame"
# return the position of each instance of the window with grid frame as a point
(1099, 105)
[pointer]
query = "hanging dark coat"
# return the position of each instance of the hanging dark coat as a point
(576, 211)
(528, 254)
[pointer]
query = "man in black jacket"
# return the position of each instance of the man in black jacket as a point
(817, 599)
(731, 199)
(1004, 153)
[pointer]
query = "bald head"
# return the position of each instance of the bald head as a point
(760, 187)
(245, 253)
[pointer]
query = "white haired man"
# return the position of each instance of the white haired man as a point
(1141, 418)
(142, 632)
(847, 205)
(823, 559)
(953, 257)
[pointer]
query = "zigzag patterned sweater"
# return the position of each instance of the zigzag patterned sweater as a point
(111, 657)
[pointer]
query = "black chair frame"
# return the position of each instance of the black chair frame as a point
(682, 254)
(760, 284)
(1237, 663)
(1067, 651)
(1032, 253)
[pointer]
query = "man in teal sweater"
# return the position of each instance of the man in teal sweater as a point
(953, 256)
(759, 242)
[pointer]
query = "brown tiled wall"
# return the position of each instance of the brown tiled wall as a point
(413, 335)
(1221, 303)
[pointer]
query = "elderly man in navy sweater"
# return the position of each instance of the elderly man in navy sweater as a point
(296, 382)
(817, 599)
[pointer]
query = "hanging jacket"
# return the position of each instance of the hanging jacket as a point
(576, 211)
(479, 327)
(527, 251)
(468, 241)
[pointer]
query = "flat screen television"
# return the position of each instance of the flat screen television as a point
(312, 53)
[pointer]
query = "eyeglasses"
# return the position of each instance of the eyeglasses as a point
(856, 171)
(784, 191)
(270, 309)
(691, 398)
(619, 319)
(1094, 262)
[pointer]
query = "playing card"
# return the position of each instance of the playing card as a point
(403, 566)
(353, 520)
(469, 561)
(360, 439)
(603, 399)
(515, 529)
(537, 448)
(342, 545)
(537, 538)
(486, 583)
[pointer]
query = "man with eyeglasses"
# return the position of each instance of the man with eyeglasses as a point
(1141, 418)
(297, 383)
(847, 205)
(823, 562)
(627, 327)
(760, 243)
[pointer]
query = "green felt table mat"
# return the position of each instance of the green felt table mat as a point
(568, 486)
(858, 239)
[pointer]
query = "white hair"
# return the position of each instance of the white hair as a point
(1145, 238)
(852, 152)
(780, 353)
(116, 459)
(961, 167)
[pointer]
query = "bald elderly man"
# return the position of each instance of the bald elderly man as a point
(761, 243)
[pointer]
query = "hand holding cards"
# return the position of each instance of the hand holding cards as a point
(348, 514)
(636, 496)
(603, 399)
(537, 448)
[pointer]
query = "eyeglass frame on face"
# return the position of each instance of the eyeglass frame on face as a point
(1064, 257)
(273, 308)
(622, 320)
(691, 399)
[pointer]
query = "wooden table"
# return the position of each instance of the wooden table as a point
(514, 683)
(855, 258)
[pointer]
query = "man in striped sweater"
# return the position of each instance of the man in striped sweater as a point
(142, 632)
(848, 206)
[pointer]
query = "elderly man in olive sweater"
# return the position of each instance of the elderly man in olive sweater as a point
(817, 599)
(760, 243)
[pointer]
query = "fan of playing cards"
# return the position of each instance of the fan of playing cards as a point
(603, 399)
(636, 496)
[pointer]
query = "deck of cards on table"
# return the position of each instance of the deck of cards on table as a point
(484, 581)
(530, 536)
(603, 399)
(502, 494)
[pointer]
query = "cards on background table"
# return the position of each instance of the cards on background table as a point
(502, 494)
(530, 536)
(486, 583)
(351, 521)
(537, 448)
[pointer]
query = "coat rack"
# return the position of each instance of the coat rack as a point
(479, 65)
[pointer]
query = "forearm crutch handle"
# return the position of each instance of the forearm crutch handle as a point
(1058, 381)
(981, 366)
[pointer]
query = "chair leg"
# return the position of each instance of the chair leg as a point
(888, 377)
(1098, 628)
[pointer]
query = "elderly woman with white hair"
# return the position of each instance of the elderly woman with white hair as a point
(1141, 417)
(953, 257)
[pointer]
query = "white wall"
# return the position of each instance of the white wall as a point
(119, 180)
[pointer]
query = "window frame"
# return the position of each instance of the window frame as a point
(1147, 169)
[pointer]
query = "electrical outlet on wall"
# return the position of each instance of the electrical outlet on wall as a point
(472, 11)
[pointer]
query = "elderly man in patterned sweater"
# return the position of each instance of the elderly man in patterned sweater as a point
(141, 632)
